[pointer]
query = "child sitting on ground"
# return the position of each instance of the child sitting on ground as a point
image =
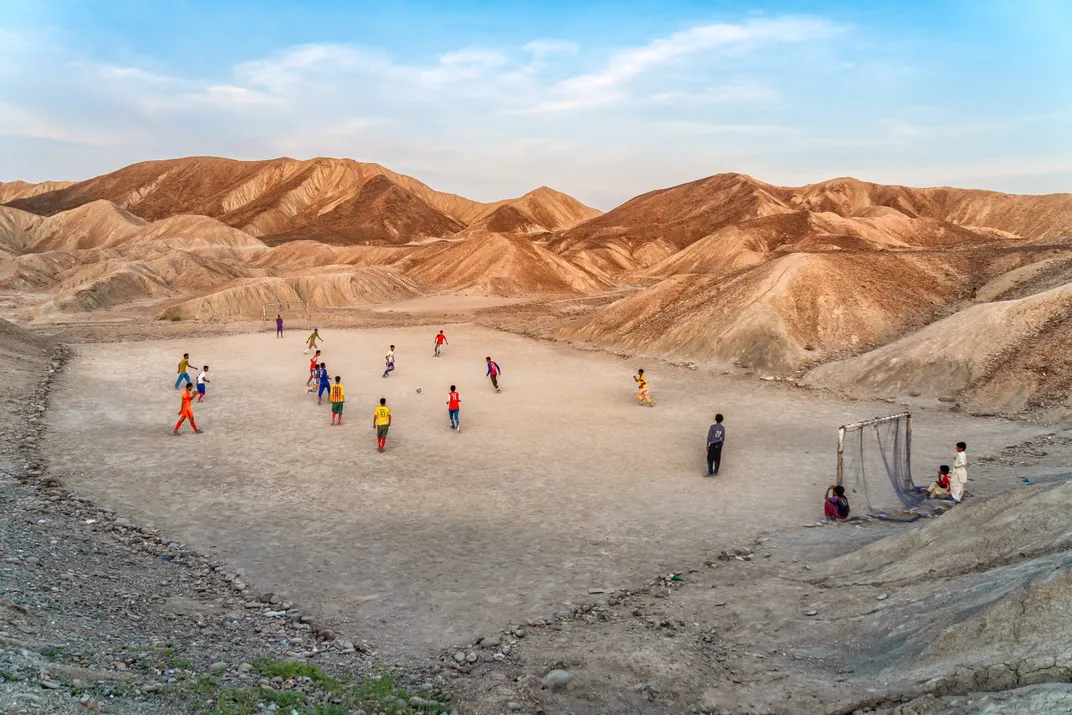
(835, 505)
(939, 488)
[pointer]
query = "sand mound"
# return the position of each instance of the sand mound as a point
(380, 212)
(246, 298)
(499, 264)
(983, 593)
(782, 312)
(1019, 215)
(15, 230)
(1007, 355)
(543, 209)
(14, 190)
(303, 255)
(95, 224)
(683, 214)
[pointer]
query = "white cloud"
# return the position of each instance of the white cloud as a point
(607, 86)
(551, 48)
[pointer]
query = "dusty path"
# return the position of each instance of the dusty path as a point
(559, 483)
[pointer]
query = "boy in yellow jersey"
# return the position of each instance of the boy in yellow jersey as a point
(338, 399)
(642, 388)
(381, 420)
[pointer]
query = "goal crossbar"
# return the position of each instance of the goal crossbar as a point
(290, 308)
(906, 416)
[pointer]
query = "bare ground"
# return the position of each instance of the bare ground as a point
(560, 484)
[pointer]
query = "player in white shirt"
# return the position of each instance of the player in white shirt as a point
(389, 359)
(202, 378)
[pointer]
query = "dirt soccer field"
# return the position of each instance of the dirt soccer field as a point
(559, 484)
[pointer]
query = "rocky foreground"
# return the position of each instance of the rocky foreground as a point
(100, 613)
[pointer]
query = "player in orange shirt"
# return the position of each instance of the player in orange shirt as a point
(440, 341)
(186, 412)
(454, 406)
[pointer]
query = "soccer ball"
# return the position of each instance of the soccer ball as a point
(418, 390)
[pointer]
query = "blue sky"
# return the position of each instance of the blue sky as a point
(601, 100)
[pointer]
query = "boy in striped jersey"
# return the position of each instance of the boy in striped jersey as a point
(338, 399)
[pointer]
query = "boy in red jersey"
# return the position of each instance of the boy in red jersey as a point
(440, 341)
(454, 406)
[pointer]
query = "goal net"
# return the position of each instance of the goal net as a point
(295, 315)
(875, 467)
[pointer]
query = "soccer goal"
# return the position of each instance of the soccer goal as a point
(874, 464)
(295, 315)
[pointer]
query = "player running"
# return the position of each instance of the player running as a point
(338, 399)
(313, 337)
(314, 369)
(493, 372)
(202, 380)
(325, 383)
(381, 420)
(279, 326)
(642, 388)
(186, 411)
(454, 406)
(389, 360)
(183, 365)
(440, 341)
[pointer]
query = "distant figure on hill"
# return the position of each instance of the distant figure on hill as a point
(313, 337)
(440, 341)
(183, 365)
(716, 438)
(389, 361)
(835, 504)
(493, 372)
(186, 410)
(939, 488)
(279, 326)
(643, 393)
(960, 474)
(381, 420)
(338, 399)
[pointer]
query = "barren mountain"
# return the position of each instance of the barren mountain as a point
(499, 264)
(542, 209)
(263, 198)
(1007, 355)
(12, 190)
(755, 240)
(782, 312)
(879, 215)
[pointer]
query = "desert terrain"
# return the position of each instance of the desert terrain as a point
(565, 527)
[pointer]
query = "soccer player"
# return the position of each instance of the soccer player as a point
(183, 365)
(440, 341)
(186, 411)
(454, 406)
(960, 474)
(202, 380)
(313, 337)
(381, 420)
(643, 394)
(716, 437)
(325, 383)
(314, 369)
(835, 504)
(493, 372)
(389, 359)
(338, 399)
(279, 326)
